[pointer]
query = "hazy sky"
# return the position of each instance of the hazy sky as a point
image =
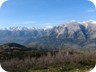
(39, 13)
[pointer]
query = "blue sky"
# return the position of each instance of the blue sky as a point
(38, 13)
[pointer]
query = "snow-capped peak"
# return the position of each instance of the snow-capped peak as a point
(86, 23)
(26, 28)
(48, 27)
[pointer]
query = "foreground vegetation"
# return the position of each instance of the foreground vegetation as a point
(48, 61)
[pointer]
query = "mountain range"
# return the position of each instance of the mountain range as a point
(74, 34)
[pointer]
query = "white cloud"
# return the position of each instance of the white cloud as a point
(39, 23)
(49, 26)
(29, 22)
(91, 10)
(25, 22)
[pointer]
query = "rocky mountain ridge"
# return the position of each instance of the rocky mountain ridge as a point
(81, 34)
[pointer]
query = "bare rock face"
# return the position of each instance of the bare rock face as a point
(81, 34)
